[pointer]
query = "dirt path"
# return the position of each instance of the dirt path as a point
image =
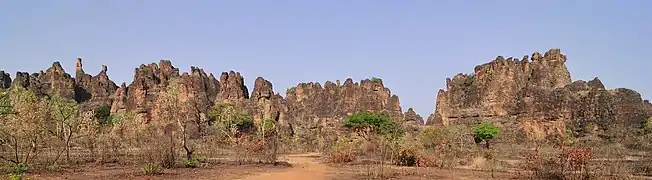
(305, 166)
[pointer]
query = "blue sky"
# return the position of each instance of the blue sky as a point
(413, 45)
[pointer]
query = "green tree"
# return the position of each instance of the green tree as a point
(67, 123)
(367, 123)
(22, 129)
(103, 114)
(484, 132)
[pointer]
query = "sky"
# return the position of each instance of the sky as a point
(413, 45)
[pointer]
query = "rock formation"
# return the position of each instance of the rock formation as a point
(232, 88)
(314, 110)
(5, 80)
(141, 94)
(536, 93)
(93, 91)
(54, 81)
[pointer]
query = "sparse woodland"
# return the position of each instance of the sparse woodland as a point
(510, 119)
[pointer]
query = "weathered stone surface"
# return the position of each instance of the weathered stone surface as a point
(5, 80)
(199, 88)
(315, 112)
(119, 99)
(232, 88)
(537, 94)
(54, 81)
(93, 91)
(149, 81)
(263, 103)
(309, 109)
(28, 81)
(412, 121)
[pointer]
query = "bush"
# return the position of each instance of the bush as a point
(342, 151)
(18, 168)
(151, 169)
(570, 163)
(103, 113)
(192, 163)
(407, 157)
(14, 176)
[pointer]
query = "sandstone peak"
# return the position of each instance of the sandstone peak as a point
(104, 69)
(232, 87)
(5, 80)
(78, 66)
(537, 92)
(262, 89)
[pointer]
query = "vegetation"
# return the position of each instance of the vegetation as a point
(375, 80)
(51, 132)
(103, 114)
(367, 124)
(484, 133)
(152, 169)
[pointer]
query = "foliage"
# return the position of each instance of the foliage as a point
(485, 132)
(14, 176)
(103, 114)
(5, 103)
(19, 168)
(152, 169)
(366, 123)
(409, 154)
(232, 119)
(375, 79)
(67, 123)
(444, 146)
(291, 89)
(22, 130)
(647, 125)
(469, 79)
(193, 162)
(342, 151)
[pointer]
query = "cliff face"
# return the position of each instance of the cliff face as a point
(5, 80)
(537, 93)
(93, 91)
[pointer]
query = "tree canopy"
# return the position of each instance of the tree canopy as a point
(367, 122)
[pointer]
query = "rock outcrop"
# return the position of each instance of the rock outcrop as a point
(5, 80)
(149, 81)
(232, 88)
(315, 111)
(54, 81)
(93, 91)
(412, 121)
(535, 92)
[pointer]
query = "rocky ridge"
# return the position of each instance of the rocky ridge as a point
(536, 93)
(308, 109)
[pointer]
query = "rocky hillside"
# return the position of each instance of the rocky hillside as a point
(536, 93)
(308, 110)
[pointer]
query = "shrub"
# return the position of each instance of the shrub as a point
(18, 168)
(407, 157)
(151, 169)
(375, 80)
(14, 176)
(342, 151)
(647, 125)
(103, 113)
(192, 163)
